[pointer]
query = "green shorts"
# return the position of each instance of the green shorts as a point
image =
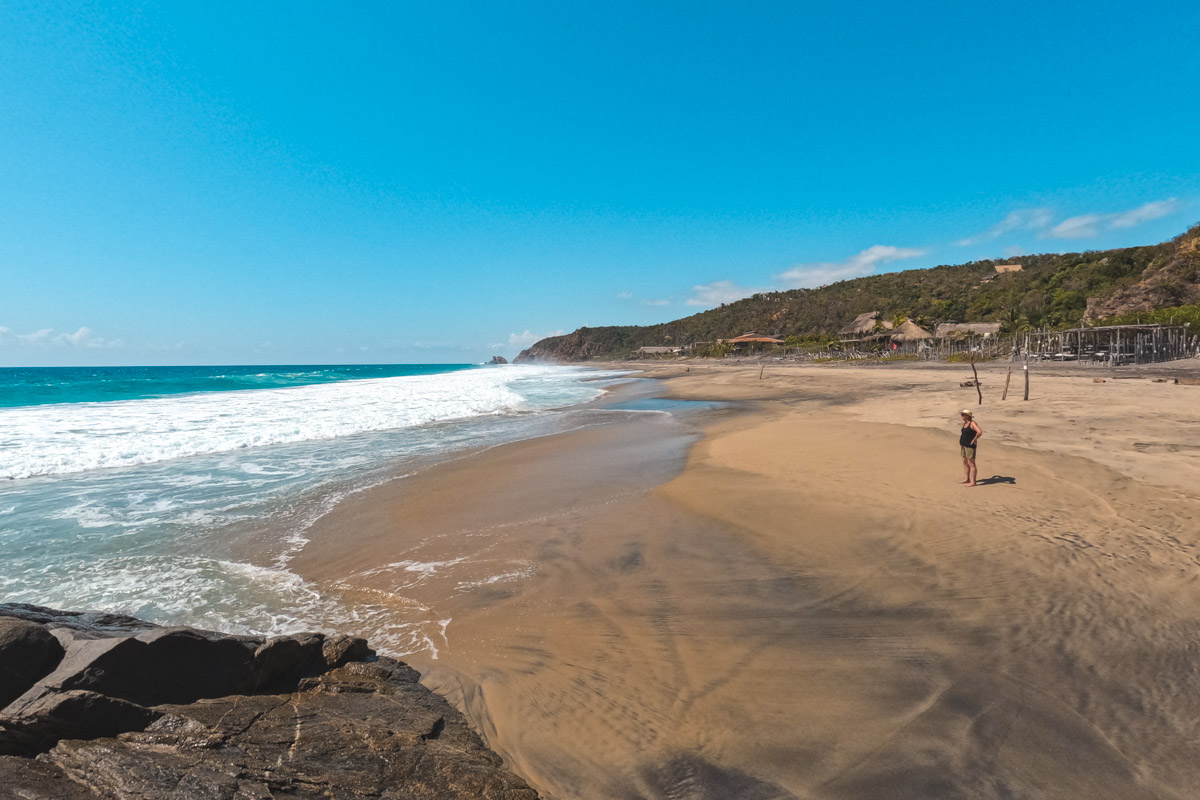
(968, 451)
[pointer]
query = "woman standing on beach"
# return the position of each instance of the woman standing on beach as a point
(967, 438)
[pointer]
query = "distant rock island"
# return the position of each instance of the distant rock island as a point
(498, 360)
(1054, 291)
(106, 706)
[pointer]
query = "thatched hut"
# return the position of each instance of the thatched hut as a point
(864, 325)
(909, 331)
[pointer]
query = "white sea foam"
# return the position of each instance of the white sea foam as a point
(501, 577)
(66, 438)
(227, 596)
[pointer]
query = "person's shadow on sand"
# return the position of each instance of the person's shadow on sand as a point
(996, 479)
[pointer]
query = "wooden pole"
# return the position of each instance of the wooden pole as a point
(975, 372)
(1007, 378)
(760, 371)
(1026, 381)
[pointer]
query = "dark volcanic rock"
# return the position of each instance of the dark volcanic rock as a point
(141, 712)
(341, 648)
(361, 731)
(498, 360)
(46, 719)
(97, 622)
(168, 665)
(283, 661)
(28, 652)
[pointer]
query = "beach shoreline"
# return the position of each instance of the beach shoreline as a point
(805, 603)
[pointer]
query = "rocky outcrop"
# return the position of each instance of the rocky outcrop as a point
(498, 360)
(105, 706)
(28, 652)
(581, 345)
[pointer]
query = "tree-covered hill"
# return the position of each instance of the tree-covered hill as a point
(1053, 290)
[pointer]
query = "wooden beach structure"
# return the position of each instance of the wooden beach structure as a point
(968, 337)
(908, 338)
(750, 340)
(980, 329)
(658, 352)
(1113, 345)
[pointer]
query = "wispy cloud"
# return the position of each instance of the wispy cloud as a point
(662, 301)
(864, 263)
(1085, 226)
(1145, 213)
(520, 341)
(83, 338)
(1023, 219)
(1080, 227)
(718, 292)
(624, 295)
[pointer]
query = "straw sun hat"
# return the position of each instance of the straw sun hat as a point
(966, 412)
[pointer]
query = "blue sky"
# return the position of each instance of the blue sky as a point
(305, 182)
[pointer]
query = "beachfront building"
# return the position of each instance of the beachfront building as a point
(657, 352)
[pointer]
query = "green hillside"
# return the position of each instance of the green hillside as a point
(1053, 290)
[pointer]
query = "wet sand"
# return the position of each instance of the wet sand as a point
(808, 604)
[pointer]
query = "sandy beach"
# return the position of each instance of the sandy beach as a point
(792, 596)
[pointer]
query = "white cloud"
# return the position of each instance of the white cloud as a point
(864, 263)
(714, 294)
(1080, 227)
(1084, 226)
(45, 338)
(1023, 219)
(1145, 213)
(520, 341)
(624, 295)
(80, 338)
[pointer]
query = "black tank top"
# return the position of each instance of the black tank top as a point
(966, 436)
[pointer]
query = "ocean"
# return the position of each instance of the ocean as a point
(137, 489)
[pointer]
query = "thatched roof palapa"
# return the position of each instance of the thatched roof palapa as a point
(865, 323)
(909, 331)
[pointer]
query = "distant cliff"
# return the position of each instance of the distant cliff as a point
(1053, 290)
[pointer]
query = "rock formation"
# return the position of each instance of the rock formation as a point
(498, 360)
(106, 706)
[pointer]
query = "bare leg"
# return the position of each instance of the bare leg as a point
(972, 472)
(966, 470)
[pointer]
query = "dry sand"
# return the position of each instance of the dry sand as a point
(813, 607)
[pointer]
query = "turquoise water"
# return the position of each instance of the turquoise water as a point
(33, 386)
(136, 490)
